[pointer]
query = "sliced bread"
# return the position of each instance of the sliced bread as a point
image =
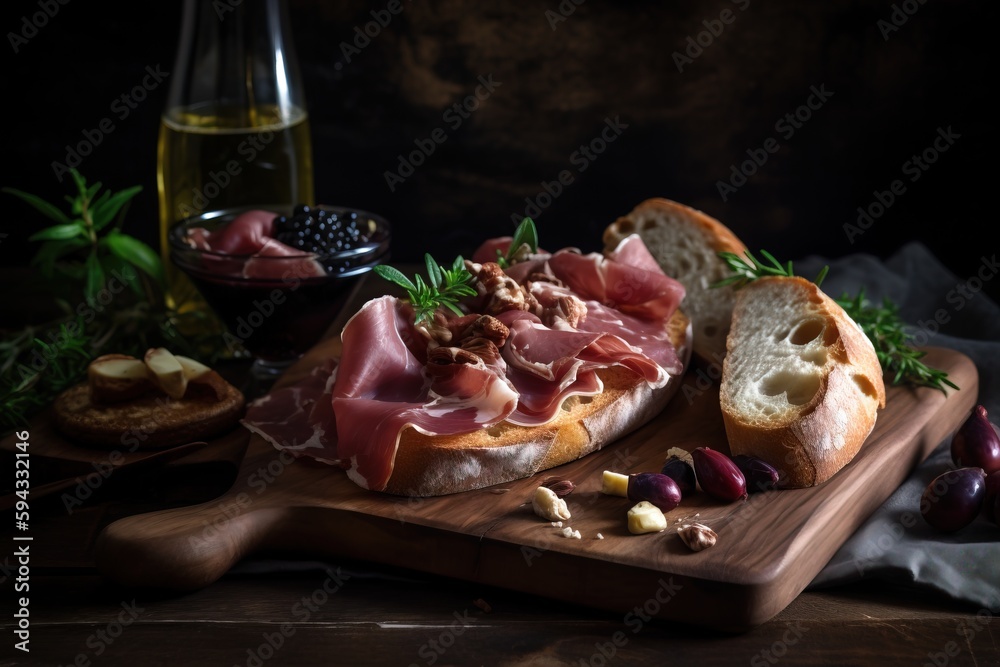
(801, 383)
(686, 243)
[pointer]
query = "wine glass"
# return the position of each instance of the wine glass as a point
(275, 307)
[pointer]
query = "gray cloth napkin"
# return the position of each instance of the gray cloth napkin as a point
(895, 544)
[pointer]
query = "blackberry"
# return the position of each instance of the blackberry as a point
(322, 230)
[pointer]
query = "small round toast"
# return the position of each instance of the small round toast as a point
(152, 421)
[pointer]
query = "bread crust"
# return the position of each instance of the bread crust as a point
(720, 237)
(151, 421)
(710, 313)
(812, 443)
(437, 465)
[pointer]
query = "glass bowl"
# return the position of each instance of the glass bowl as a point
(276, 307)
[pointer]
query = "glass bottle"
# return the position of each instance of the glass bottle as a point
(235, 131)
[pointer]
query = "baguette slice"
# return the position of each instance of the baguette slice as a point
(685, 242)
(437, 465)
(801, 383)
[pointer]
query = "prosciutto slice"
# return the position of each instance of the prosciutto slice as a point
(584, 313)
(299, 418)
(380, 394)
(246, 246)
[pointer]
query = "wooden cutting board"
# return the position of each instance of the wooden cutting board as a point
(770, 547)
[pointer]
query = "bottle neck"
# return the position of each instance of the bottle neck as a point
(236, 61)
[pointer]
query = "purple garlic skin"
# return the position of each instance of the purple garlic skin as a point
(656, 488)
(954, 499)
(718, 475)
(977, 442)
(760, 475)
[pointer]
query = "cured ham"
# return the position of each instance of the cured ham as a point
(379, 395)
(246, 246)
(573, 314)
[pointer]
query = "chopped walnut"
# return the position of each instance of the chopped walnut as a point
(566, 310)
(443, 356)
(541, 277)
(500, 291)
(482, 348)
(435, 331)
(488, 327)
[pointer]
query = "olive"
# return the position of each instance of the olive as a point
(760, 475)
(682, 473)
(991, 503)
(954, 498)
(718, 475)
(977, 442)
(655, 488)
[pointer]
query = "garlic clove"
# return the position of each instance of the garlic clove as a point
(645, 517)
(697, 536)
(614, 484)
(548, 505)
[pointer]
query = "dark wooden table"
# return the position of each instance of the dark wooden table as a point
(270, 612)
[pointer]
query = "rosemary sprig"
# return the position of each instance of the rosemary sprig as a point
(882, 325)
(746, 271)
(887, 332)
(524, 242)
(62, 362)
(82, 247)
(444, 287)
(85, 257)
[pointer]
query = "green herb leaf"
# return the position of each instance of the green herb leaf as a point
(42, 206)
(748, 268)
(887, 332)
(59, 232)
(445, 288)
(433, 270)
(95, 277)
(394, 275)
(138, 254)
(105, 210)
(526, 235)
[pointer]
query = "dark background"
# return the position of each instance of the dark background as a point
(685, 129)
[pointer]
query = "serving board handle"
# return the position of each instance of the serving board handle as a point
(186, 548)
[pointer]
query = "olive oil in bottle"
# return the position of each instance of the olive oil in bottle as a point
(235, 130)
(213, 158)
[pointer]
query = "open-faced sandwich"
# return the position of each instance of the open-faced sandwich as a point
(494, 368)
